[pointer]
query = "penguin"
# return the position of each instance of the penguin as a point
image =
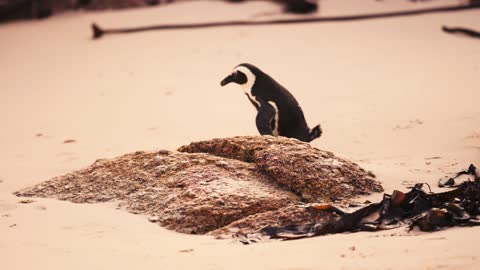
(279, 113)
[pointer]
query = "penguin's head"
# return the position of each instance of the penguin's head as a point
(243, 74)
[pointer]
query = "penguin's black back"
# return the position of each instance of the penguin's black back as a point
(291, 122)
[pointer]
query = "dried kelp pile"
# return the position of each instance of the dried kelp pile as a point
(417, 208)
(228, 185)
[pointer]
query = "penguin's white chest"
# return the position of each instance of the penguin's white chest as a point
(275, 119)
(274, 122)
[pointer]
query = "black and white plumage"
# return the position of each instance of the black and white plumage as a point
(279, 113)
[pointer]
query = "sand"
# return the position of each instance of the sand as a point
(397, 96)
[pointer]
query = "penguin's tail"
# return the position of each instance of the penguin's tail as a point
(314, 133)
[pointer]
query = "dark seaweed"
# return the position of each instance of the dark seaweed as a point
(417, 208)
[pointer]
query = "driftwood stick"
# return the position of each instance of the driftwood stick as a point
(461, 30)
(98, 32)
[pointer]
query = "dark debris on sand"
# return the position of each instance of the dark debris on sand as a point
(416, 209)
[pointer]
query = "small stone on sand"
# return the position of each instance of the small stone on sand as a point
(26, 201)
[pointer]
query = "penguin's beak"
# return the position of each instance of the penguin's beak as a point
(227, 80)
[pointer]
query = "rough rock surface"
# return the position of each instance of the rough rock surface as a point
(288, 215)
(217, 191)
(192, 193)
(314, 174)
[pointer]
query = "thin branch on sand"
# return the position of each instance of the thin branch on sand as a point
(461, 30)
(98, 32)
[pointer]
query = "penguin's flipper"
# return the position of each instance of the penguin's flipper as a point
(254, 103)
(265, 116)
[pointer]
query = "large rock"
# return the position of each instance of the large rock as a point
(314, 174)
(288, 215)
(192, 193)
(241, 183)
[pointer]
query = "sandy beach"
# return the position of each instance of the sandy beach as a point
(398, 96)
